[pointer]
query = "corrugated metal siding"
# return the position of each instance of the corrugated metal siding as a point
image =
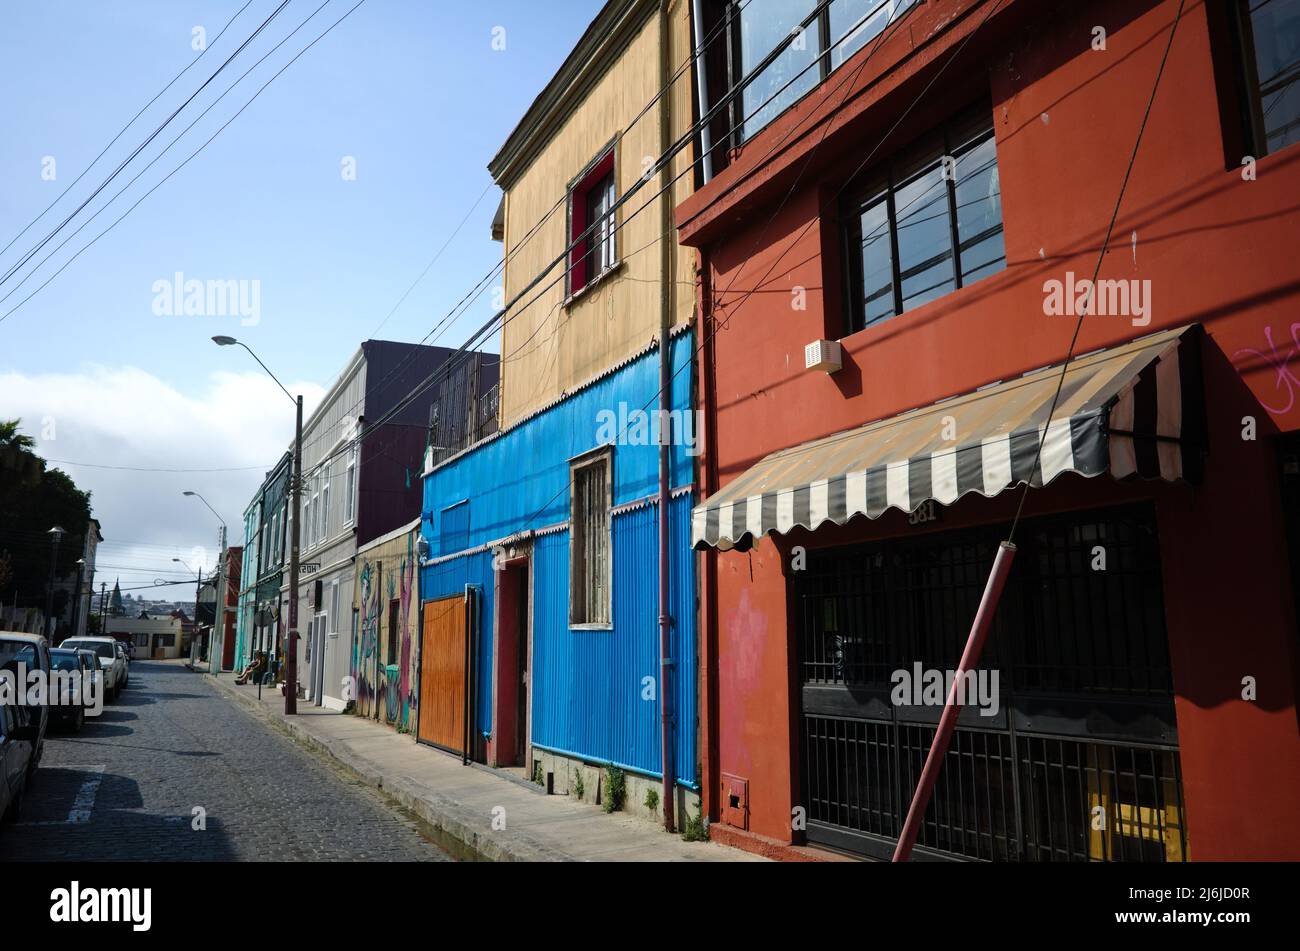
(681, 567)
(520, 479)
(588, 685)
(450, 577)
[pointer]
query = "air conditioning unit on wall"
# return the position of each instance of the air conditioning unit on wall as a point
(822, 355)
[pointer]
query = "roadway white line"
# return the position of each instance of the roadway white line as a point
(84, 804)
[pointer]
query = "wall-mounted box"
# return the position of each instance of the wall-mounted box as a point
(822, 355)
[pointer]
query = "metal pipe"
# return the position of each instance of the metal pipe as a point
(469, 616)
(667, 299)
(291, 654)
(948, 721)
(702, 89)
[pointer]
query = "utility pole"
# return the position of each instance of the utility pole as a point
(218, 611)
(56, 534)
(291, 652)
(291, 658)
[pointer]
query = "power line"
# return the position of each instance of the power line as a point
(222, 128)
(1101, 255)
(475, 292)
(96, 465)
(122, 131)
(451, 237)
(139, 148)
(686, 138)
(847, 84)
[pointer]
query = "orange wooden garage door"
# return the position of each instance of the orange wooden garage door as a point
(442, 673)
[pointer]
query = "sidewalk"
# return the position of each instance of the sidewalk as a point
(459, 800)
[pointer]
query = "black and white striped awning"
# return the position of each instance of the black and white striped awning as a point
(1132, 409)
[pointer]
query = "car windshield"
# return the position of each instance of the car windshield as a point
(65, 660)
(12, 653)
(101, 649)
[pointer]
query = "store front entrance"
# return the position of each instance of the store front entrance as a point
(1077, 757)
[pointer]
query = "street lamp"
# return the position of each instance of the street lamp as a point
(291, 654)
(76, 600)
(216, 641)
(56, 535)
(198, 586)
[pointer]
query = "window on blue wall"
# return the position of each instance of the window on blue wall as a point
(590, 568)
(453, 532)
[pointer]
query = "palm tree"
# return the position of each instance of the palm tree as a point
(16, 452)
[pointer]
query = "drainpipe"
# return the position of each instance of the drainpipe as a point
(667, 298)
(970, 657)
(702, 89)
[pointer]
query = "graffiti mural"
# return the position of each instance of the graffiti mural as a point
(365, 640)
(384, 644)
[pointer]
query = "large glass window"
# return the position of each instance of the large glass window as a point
(789, 46)
(927, 224)
(1270, 35)
(765, 24)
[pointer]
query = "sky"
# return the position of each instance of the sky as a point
(324, 200)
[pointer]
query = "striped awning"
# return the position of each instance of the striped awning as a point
(1134, 409)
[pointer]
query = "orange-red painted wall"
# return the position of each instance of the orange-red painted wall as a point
(1218, 250)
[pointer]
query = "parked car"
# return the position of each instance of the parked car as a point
(111, 663)
(19, 736)
(97, 677)
(32, 652)
(68, 698)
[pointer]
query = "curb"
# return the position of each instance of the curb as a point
(445, 815)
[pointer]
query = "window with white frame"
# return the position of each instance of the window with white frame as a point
(315, 513)
(325, 504)
(590, 568)
(334, 608)
(350, 486)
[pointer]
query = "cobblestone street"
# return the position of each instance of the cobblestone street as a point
(126, 788)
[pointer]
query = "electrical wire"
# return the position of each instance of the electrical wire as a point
(139, 148)
(1101, 255)
(187, 160)
(122, 131)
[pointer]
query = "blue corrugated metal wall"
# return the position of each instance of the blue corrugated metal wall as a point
(586, 693)
(589, 685)
(519, 480)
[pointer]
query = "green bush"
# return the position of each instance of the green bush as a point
(696, 830)
(615, 788)
(652, 799)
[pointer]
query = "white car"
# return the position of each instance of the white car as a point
(111, 662)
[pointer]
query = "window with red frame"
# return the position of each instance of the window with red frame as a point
(591, 224)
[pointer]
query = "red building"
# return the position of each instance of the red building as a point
(929, 196)
(230, 613)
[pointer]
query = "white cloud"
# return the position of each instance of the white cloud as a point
(128, 417)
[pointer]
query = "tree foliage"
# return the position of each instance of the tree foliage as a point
(33, 499)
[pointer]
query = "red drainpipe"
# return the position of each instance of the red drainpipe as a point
(948, 721)
(667, 313)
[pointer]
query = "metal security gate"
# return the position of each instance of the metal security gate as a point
(1080, 761)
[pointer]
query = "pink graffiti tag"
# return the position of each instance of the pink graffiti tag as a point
(1285, 380)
